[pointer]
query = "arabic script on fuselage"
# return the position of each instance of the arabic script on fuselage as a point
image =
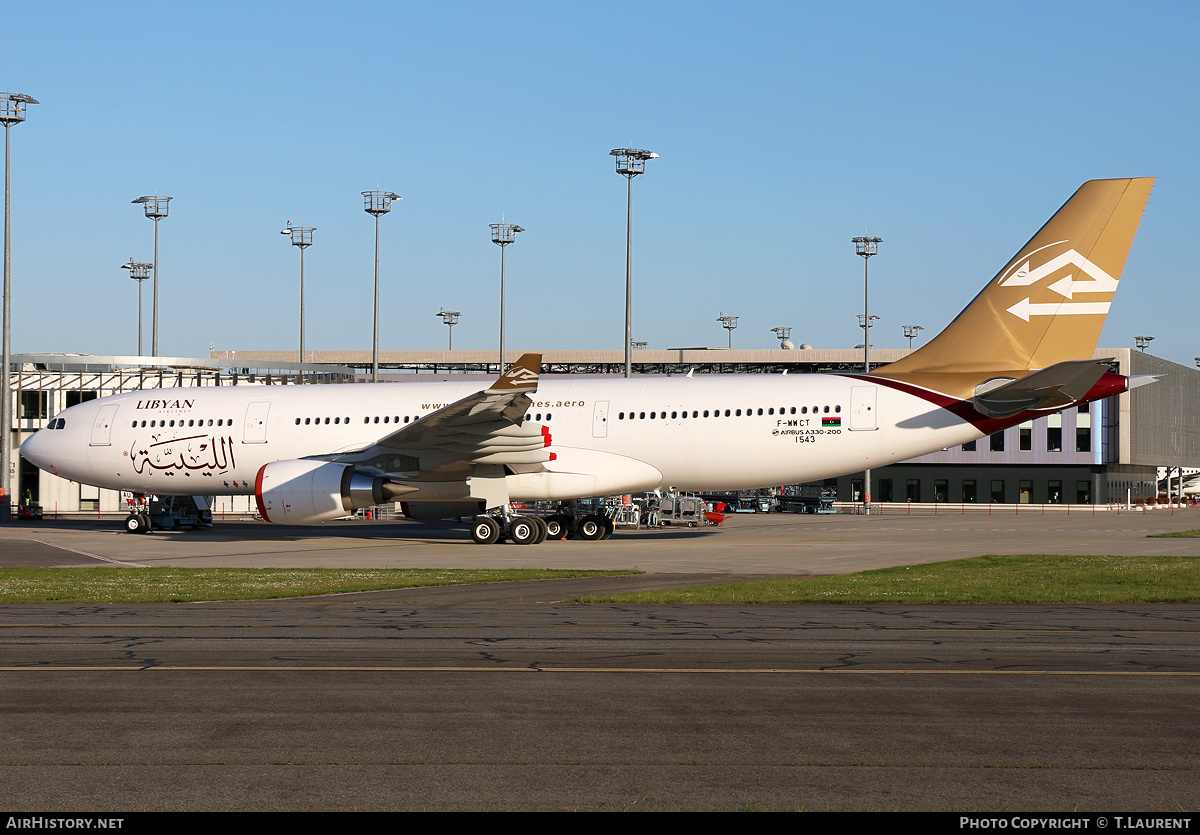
(207, 454)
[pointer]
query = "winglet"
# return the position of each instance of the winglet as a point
(522, 375)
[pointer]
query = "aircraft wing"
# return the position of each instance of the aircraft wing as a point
(482, 428)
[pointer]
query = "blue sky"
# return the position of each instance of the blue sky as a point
(951, 130)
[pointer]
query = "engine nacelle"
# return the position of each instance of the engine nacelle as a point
(315, 491)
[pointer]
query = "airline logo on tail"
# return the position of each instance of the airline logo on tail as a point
(522, 375)
(1087, 278)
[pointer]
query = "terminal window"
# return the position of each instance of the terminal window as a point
(75, 397)
(1054, 434)
(885, 490)
(34, 405)
(1026, 430)
(1054, 439)
(1083, 440)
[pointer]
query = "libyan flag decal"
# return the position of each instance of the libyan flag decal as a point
(831, 421)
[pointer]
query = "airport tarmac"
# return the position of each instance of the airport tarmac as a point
(374, 703)
(774, 544)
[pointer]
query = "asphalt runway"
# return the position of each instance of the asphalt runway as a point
(373, 703)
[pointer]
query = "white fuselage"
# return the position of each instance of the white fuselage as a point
(692, 433)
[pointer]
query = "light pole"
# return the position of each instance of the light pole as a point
(784, 334)
(866, 247)
(12, 112)
(301, 237)
(1143, 342)
(503, 234)
(911, 331)
(449, 319)
(139, 272)
(728, 323)
(376, 203)
(639, 346)
(156, 207)
(630, 163)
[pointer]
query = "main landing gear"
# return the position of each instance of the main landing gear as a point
(498, 524)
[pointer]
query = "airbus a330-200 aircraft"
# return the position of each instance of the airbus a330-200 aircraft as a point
(1022, 348)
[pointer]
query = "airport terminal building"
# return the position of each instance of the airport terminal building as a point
(1100, 453)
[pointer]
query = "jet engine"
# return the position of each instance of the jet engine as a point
(302, 491)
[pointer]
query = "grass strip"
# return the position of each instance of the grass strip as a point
(1175, 535)
(1024, 578)
(183, 585)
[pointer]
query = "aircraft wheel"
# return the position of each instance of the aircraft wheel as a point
(134, 523)
(485, 530)
(543, 529)
(609, 527)
(591, 528)
(557, 526)
(523, 530)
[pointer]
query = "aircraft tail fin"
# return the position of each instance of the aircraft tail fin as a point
(1047, 305)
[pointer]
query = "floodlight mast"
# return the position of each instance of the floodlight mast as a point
(139, 272)
(12, 112)
(156, 206)
(301, 237)
(866, 246)
(630, 163)
(1143, 342)
(377, 203)
(503, 234)
(449, 319)
(728, 323)
(911, 332)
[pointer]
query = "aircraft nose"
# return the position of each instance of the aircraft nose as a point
(35, 449)
(61, 447)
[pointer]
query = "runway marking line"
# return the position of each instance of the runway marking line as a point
(691, 670)
(93, 556)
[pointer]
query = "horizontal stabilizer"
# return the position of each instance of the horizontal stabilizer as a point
(1055, 387)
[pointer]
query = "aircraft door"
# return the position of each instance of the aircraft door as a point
(254, 431)
(862, 408)
(600, 419)
(102, 425)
